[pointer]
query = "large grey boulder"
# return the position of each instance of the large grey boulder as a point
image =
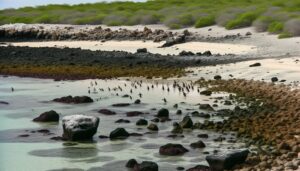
(226, 161)
(79, 127)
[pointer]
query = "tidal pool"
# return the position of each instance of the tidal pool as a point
(38, 152)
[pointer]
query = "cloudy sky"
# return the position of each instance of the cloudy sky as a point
(21, 3)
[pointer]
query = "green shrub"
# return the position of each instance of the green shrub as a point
(262, 23)
(205, 21)
(275, 27)
(90, 20)
(243, 20)
(284, 35)
(186, 20)
(48, 19)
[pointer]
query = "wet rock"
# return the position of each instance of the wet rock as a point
(206, 92)
(44, 131)
(142, 122)
(79, 127)
(202, 135)
(198, 144)
(217, 77)
(103, 136)
(248, 33)
(172, 150)
(173, 41)
(206, 107)
(227, 161)
(153, 127)
(207, 53)
(131, 163)
(142, 50)
(50, 116)
(121, 105)
(163, 113)
(274, 79)
(227, 103)
(137, 101)
(134, 113)
(177, 129)
(187, 122)
(178, 112)
(106, 112)
(180, 168)
(122, 121)
(186, 53)
(4, 103)
(202, 115)
(134, 134)
(255, 65)
(119, 133)
(146, 166)
(24, 135)
(57, 138)
(75, 100)
(199, 168)
(155, 120)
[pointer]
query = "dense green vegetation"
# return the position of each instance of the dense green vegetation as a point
(275, 16)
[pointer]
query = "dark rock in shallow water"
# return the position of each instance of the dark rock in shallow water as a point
(274, 79)
(146, 166)
(202, 135)
(142, 50)
(106, 112)
(122, 121)
(207, 53)
(173, 41)
(4, 102)
(79, 127)
(121, 104)
(131, 163)
(50, 116)
(163, 113)
(227, 161)
(217, 77)
(177, 129)
(153, 127)
(206, 107)
(137, 101)
(186, 53)
(134, 113)
(75, 100)
(172, 150)
(255, 65)
(198, 144)
(206, 92)
(186, 122)
(179, 112)
(142, 122)
(119, 133)
(199, 168)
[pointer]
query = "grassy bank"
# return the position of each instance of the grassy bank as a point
(274, 16)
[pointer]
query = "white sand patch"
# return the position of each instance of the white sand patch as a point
(132, 46)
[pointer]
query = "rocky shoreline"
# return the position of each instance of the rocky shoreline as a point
(270, 122)
(71, 32)
(71, 63)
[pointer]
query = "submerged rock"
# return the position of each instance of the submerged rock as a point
(177, 129)
(137, 101)
(146, 166)
(142, 122)
(206, 107)
(227, 161)
(106, 112)
(134, 113)
(217, 77)
(206, 92)
(75, 99)
(199, 168)
(198, 144)
(163, 113)
(131, 163)
(172, 150)
(121, 104)
(119, 133)
(142, 50)
(79, 127)
(4, 102)
(50, 116)
(153, 127)
(186, 122)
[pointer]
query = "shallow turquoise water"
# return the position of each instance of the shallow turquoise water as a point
(38, 153)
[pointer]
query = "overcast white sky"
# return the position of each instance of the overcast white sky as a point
(21, 3)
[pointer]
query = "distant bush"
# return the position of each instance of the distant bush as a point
(275, 27)
(243, 20)
(225, 16)
(262, 24)
(90, 20)
(293, 27)
(115, 20)
(52, 19)
(205, 21)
